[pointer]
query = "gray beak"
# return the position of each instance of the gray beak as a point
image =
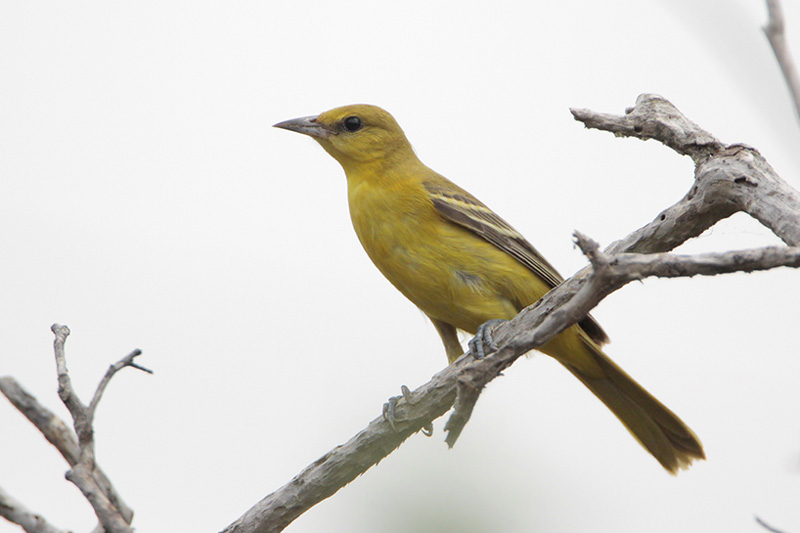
(307, 126)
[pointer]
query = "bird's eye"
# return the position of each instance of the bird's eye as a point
(352, 124)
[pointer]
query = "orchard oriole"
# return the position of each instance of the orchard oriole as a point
(463, 265)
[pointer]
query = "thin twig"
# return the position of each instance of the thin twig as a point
(126, 361)
(82, 474)
(767, 526)
(65, 390)
(775, 32)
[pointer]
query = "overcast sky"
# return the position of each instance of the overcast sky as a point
(147, 203)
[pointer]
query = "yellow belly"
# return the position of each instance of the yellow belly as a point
(450, 273)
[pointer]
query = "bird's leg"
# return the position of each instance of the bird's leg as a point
(483, 339)
(389, 410)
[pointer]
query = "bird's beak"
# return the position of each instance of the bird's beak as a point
(307, 126)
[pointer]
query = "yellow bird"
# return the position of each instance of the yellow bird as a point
(463, 265)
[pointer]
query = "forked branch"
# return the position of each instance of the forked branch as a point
(114, 515)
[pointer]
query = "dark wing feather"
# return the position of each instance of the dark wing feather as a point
(460, 207)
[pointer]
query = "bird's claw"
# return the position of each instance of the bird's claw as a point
(389, 409)
(483, 339)
(391, 404)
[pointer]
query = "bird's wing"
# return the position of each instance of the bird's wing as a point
(460, 207)
(465, 210)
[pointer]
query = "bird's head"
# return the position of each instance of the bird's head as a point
(355, 134)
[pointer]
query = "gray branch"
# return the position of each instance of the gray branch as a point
(82, 473)
(59, 435)
(13, 511)
(113, 369)
(727, 179)
(766, 526)
(114, 515)
(325, 476)
(775, 32)
(51, 426)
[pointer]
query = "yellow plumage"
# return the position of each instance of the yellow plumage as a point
(463, 265)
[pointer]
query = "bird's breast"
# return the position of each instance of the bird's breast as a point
(442, 268)
(391, 224)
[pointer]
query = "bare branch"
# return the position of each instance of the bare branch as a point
(325, 476)
(654, 117)
(624, 268)
(774, 30)
(767, 526)
(51, 426)
(110, 518)
(613, 271)
(113, 513)
(59, 435)
(82, 473)
(13, 511)
(65, 390)
(126, 361)
(728, 179)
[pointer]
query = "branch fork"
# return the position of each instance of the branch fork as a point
(114, 515)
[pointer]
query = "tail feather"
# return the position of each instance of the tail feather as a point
(656, 428)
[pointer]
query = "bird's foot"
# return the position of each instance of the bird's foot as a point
(483, 339)
(390, 406)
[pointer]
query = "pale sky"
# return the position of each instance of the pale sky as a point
(147, 203)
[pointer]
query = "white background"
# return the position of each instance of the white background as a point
(147, 203)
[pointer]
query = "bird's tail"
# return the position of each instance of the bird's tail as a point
(656, 428)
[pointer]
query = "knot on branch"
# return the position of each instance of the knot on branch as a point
(591, 249)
